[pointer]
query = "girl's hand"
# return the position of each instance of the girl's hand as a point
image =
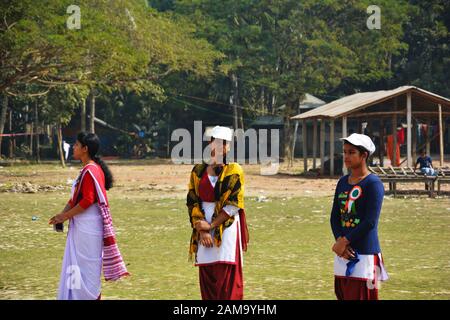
(348, 253)
(206, 239)
(340, 246)
(202, 225)
(59, 218)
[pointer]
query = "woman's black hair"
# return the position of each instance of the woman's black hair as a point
(92, 142)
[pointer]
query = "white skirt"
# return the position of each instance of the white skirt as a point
(364, 269)
(82, 262)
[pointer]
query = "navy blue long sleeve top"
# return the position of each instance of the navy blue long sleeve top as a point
(356, 211)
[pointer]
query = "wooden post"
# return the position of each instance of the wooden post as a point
(322, 146)
(428, 137)
(408, 129)
(331, 147)
(344, 135)
(381, 146)
(414, 139)
(314, 143)
(394, 134)
(441, 137)
(304, 147)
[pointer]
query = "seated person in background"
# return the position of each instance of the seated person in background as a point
(426, 167)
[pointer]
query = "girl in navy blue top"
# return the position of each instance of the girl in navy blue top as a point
(358, 199)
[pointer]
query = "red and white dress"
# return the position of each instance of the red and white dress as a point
(220, 268)
(82, 263)
(91, 245)
(364, 281)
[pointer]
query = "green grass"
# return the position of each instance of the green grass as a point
(289, 256)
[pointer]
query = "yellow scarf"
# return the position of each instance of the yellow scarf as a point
(229, 190)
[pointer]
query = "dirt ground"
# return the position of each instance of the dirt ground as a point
(162, 179)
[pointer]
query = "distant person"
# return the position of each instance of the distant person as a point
(426, 165)
(358, 263)
(91, 241)
(66, 148)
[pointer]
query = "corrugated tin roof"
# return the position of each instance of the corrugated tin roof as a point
(354, 102)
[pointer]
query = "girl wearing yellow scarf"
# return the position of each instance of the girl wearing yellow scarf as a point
(215, 204)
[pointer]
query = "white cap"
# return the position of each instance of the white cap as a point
(223, 133)
(361, 140)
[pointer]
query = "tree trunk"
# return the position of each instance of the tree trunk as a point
(27, 137)
(287, 140)
(272, 104)
(92, 113)
(12, 140)
(288, 134)
(3, 112)
(36, 124)
(60, 149)
(294, 140)
(31, 138)
(234, 97)
(241, 118)
(168, 135)
(83, 114)
(48, 133)
(263, 101)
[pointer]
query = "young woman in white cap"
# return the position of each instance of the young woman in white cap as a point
(358, 264)
(215, 204)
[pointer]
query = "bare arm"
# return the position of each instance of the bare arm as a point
(66, 214)
(203, 225)
(66, 208)
(221, 218)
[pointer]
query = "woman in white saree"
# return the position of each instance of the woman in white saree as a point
(91, 240)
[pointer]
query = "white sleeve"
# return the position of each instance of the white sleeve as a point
(231, 210)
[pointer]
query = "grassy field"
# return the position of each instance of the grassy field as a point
(289, 256)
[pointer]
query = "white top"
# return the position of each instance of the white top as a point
(226, 253)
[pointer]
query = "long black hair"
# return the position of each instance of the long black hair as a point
(92, 142)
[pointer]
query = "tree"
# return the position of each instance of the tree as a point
(284, 49)
(121, 44)
(427, 61)
(234, 29)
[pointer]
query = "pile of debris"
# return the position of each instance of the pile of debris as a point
(28, 187)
